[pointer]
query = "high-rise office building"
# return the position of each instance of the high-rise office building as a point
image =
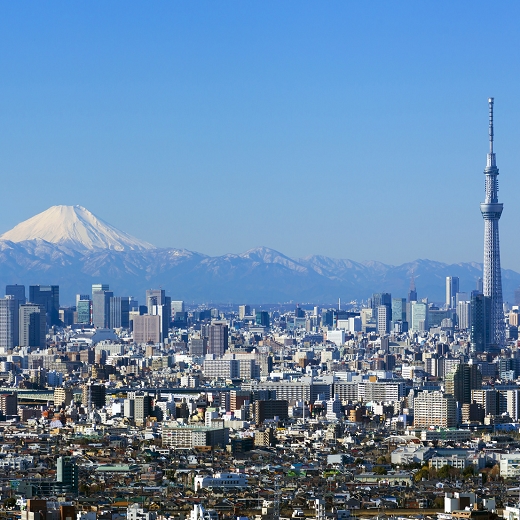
(84, 310)
(262, 318)
(379, 299)
(32, 325)
(9, 322)
(100, 287)
(243, 310)
(177, 306)
(48, 297)
(480, 335)
(119, 312)
(412, 293)
(452, 288)
(419, 316)
(147, 329)
(101, 308)
(398, 310)
(17, 291)
(491, 211)
(160, 304)
(464, 315)
(217, 339)
(462, 381)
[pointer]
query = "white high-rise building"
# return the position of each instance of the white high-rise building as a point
(452, 288)
(464, 315)
(382, 319)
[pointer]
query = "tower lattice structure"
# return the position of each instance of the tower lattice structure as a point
(491, 211)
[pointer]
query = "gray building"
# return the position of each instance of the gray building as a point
(101, 308)
(32, 325)
(147, 329)
(9, 322)
(119, 312)
(217, 339)
(159, 304)
(48, 297)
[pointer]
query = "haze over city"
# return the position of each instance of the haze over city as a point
(344, 129)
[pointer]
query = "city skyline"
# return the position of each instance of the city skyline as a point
(72, 247)
(237, 122)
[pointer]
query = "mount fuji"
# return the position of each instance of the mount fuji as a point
(71, 247)
(74, 227)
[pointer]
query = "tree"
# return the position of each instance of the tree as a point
(444, 472)
(448, 471)
(494, 472)
(380, 470)
(468, 471)
(422, 473)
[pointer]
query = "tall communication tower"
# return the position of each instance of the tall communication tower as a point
(491, 211)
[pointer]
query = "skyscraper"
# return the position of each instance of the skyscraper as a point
(119, 312)
(47, 296)
(462, 381)
(18, 291)
(382, 319)
(379, 299)
(452, 288)
(217, 339)
(101, 308)
(32, 325)
(480, 322)
(398, 310)
(412, 293)
(491, 211)
(9, 317)
(160, 304)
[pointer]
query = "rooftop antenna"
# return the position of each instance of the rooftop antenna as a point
(339, 304)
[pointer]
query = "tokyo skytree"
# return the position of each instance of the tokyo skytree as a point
(491, 211)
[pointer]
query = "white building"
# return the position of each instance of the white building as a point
(221, 480)
(135, 512)
(336, 336)
(509, 465)
(334, 409)
(200, 513)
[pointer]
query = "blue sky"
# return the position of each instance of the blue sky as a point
(353, 130)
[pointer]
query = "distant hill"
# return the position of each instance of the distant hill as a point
(69, 246)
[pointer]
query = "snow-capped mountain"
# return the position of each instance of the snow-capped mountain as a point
(69, 246)
(74, 227)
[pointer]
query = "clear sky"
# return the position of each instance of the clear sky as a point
(349, 129)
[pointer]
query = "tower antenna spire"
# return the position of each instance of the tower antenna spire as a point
(491, 160)
(491, 134)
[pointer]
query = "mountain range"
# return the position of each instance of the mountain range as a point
(69, 246)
